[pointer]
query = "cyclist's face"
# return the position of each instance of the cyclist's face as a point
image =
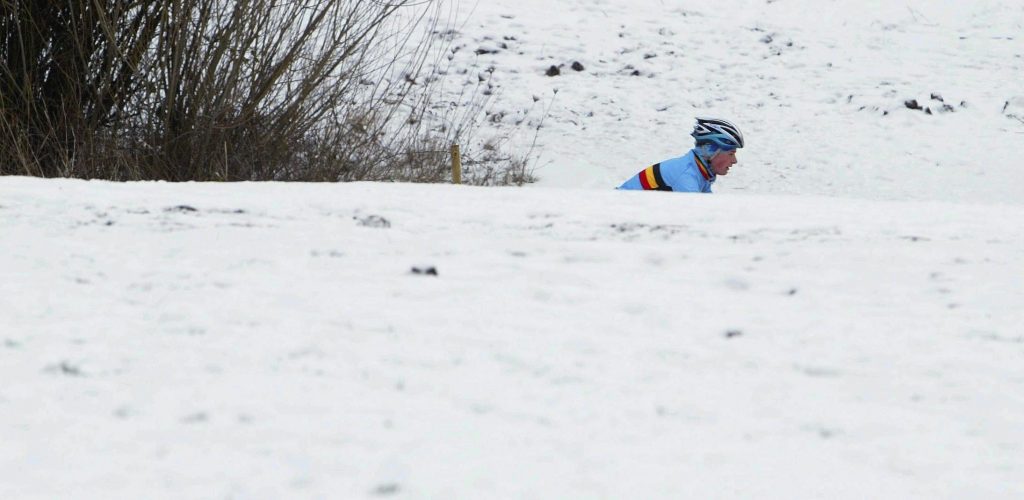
(721, 162)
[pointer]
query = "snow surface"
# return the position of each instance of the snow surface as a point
(842, 320)
(272, 340)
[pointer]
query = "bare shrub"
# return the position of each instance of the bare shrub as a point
(314, 90)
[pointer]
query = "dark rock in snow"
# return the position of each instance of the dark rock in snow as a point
(733, 333)
(387, 489)
(553, 71)
(69, 369)
(944, 108)
(181, 208)
(373, 221)
(425, 271)
(576, 66)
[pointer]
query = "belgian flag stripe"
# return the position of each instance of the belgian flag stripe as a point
(650, 178)
(703, 170)
(656, 172)
(646, 180)
(652, 181)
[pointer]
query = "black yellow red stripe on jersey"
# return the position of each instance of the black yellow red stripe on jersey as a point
(651, 179)
(703, 168)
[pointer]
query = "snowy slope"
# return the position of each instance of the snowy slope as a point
(272, 341)
(818, 87)
(842, 320)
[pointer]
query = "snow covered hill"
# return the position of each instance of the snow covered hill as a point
(842, 320)
(823, 91)
(411, 341)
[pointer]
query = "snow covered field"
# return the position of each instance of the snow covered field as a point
(842, 320)
(269, 341)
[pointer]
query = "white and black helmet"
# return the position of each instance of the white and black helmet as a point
(716, 131)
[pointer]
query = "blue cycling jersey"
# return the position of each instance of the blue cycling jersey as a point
(688, 173)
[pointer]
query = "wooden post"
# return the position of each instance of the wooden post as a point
(456, 165)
